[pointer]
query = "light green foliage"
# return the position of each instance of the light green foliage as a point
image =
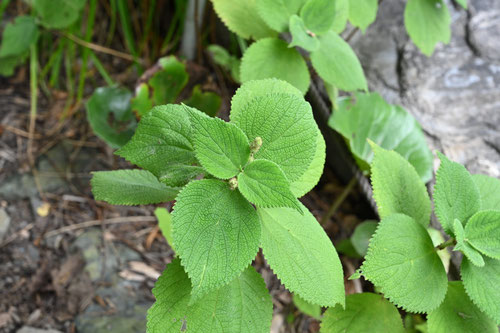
(162, 144)
(110, 115)
(489, 191)
(265, 185)
(18, 36)
(444, 254)
(458, 314)
(141, 103)
(167, 83)
(362, 13)
(306, 307)
(216, 234)
(366, 312)
(397, 188)
(481, 284)
(337, 63)
(130, 187)
(361, 236)
(271, 57)
(427, 23)
(311, 177)
(369, 116)
(277, 12)
(165, 224)
(242, 18)
(287, 128)
(483, 232)
(341, 15)
(222, 58)
(208, 102)
(243, 305)
(402, 262)
(8, 64)
(455, 194)
(462, 3)
(318, 15)
(462, 245)
(58, 14)
(299, 251)
(221, 147)
(300, 35)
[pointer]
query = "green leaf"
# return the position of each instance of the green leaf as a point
(481, 284)
(165, 224)
(242, 18)
(341, 15)
(337, 63)
(162, 144)
(207, 102)
(301, 255)
(286, 125)
(9, 64)
(110, 115)
(244, 305)
(462, 245)
(483, 232)
(427, 23)
(362, 13)
(458, 314)
(221, 147)
(462, 3)
(141, 102)
(310, 309)
(276, 13)
(311, 177)
(216, 234)
(444, 254)
(271, 57)
(58, 14)
(318, 15)
(130, 187)
(397, 188)
(18, 36)
(300, 35)
(366, 312)
(489, 191)
(361, 236)
(222, 58)
(455, 194)
(369, 116)
(264, 184)
(168, 83)
(402, 262)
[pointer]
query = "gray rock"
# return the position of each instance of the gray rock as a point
(4, 223)
(28, 329)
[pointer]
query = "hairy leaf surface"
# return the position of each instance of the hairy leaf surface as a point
(489, 191)
(462, 245)
(318, 15)
(362, 13)
(130, 187)
(276, 13)
(483, 232)
(397, 188)
(299, 252)
(366, 312)
(300, 35)
(244, 305)
(271, 57)
(216, 234)
(403, 263)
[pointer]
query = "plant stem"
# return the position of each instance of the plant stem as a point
(444, 245)
(336, 204)
(86, 51)
(123, 12)
(100, 68)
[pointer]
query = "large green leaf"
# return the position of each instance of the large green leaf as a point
(110, 115)
(58, 14)
(337, 63)
(361, 236)
(130, 187)
(483, 232)
(216, 234)
(456, 196)
(341, 15)
(221, 147)
(481, 284)
(397, 188)
(489, 191)
(366, 312)
(308, 308)
(362, 13)
(286, 125)
(369, 116)
(207, 102)
(463, 245)
(9, 64)
(300, 36)
(18, 36)
(301, 255)
(271, 57)
(276, 13)
(458, 314)
(402, 262)
(167, 83)
(163, 145)
(242, 18)
(242, 306)
(165, 224)
(427, 23)
(318, 15)
(265, 185)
